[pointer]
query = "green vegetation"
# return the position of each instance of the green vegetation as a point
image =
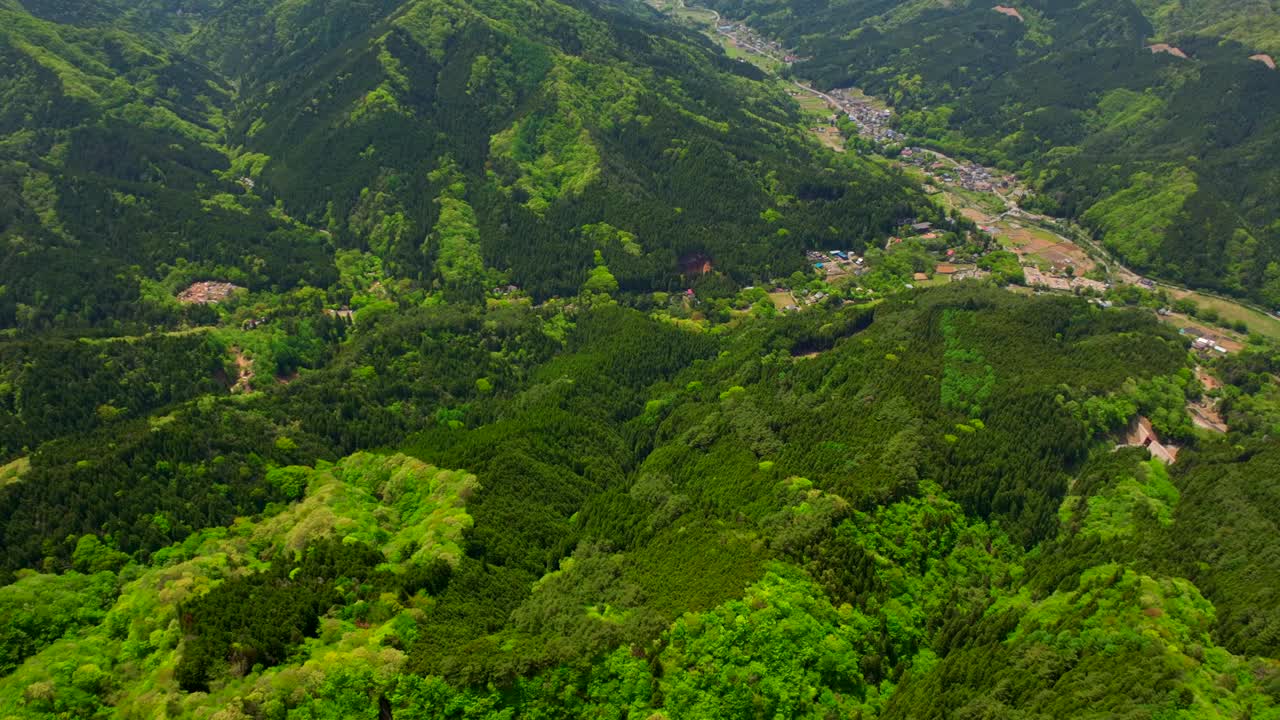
(652, 518)
(1113, 512)
(491, 427)
(1135, 220)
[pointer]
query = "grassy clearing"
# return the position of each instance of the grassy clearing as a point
(989, 203)
(861, 97)
(13, 471)
(981, 207)
(1230, 312)
(813, 104)
(919, 176)
(832, 138)
(697, 15)
(769, 65)
(782, 300)
(934, 281)
(1028, 235)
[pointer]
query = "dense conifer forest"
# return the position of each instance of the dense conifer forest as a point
(388, 359)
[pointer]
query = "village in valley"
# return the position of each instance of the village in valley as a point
(750, 42)
(1001, 242)
(1048, 255)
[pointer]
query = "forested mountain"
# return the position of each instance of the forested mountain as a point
(473, 410)
(1168, 153)
(464, 144)
(1252, 23)
(908, 510)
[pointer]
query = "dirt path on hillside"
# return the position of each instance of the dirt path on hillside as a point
(244, 372)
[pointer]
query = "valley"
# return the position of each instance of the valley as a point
(1057, 254)
(607, 359)
(1104, 140)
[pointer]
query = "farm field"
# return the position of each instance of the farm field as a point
(1230, 312)
(988, 203)
(1042, 246)
(697, 15)
(782, 300)
(829, 136)
(732, 49)
(813, 103)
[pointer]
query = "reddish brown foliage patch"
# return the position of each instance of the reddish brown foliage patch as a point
(1011, 12)
(204, 293)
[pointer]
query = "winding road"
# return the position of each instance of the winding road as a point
(1082, 238)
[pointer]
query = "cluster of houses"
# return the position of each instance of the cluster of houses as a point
(974, 177)
(802, 297)
(836, 262)
(753, 42)
(872, 122)
(967, 175)
(958, 273)
(1205, 345)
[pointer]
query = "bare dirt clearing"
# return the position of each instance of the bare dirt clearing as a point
(1011, 12)
(1204, 416)
(1168, 49)
(1203, 412)
(1035, 243)
(1209, 382)
(1141, 434)
(205, 293)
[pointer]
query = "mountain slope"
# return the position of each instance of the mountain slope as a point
(1254, 24)
(558, 117)
(252, 151)
(111, 159)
